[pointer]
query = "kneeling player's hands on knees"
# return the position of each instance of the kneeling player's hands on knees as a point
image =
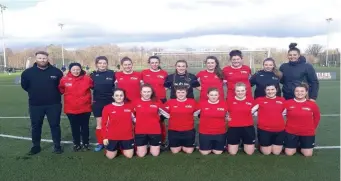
(105, 142)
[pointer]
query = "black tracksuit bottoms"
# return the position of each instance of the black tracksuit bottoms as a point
(80, 127)
(37, 114)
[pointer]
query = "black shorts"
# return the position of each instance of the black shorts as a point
(181, 138)
(268, 138)
(97, 108)
(212, 142)
(295, 141)
(245, 134)
(145, 139)
(114, 145)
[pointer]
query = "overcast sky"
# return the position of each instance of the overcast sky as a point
(172, 23)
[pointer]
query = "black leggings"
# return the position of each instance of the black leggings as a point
(79, 127)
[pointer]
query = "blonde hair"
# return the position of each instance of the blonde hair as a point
(239, 84)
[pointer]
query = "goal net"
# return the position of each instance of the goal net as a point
(196, 59)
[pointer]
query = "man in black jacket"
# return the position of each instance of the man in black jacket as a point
(41, 83)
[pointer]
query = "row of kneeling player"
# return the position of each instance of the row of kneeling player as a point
(135, 126)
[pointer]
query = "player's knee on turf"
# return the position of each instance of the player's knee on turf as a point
(188, 150)
(307, 152)
(141, 151)
(233, 149)
(290, 151)
(155, 150)
(266, 150)
(249, 149)
(276, 149)
(128, 153)
(175, 149)
(217, 152)
(205, 152)
(111, 154)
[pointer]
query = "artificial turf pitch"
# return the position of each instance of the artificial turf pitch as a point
(16, 165)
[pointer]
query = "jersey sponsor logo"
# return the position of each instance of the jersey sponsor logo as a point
(147, 75)
(139, 105)
(248, 103)
(220, 109)
(188, 106)
(127, 110)
(69, 78)
(205, 76)
(292, 107)
(206, 108)
(181, 83)
(121, 78)
(279, 102)
(133, 78)
(230, 73)
(53, 77)
(306, 108)
(261, 75)
(274, 78)
(68, 84)
(265, 102)
(109, 78)
(175, 106)
(234, 103)
(114, 112)
(96, 75)
(153, 106)
(243, 72)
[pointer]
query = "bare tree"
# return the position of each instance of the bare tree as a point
(314, 49)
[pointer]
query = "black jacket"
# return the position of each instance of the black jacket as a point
(42, 85)
(295, 73)
(104, 84)
(188, 79)
(262, 78)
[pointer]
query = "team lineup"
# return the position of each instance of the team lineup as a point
(131, 108)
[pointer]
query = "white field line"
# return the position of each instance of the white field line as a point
(27, 117)
(70, 142)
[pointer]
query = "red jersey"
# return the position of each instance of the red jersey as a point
(147, 116)
(212, 117)
(77, 93)
(156, 79)
(117, 123)
(130, 83)
(209, 80)
(240, 112)
(302, 117)
(233, 76)
(181, 114)
(270, 113)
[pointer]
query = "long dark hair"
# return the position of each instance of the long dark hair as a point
(275, 69)
(176, 72)
(217, 69)
(153, 96)
(124, 94)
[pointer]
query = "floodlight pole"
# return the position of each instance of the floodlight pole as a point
(3, 35)
(61, 29)
(327, 47)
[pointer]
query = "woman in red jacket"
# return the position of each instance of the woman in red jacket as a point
(240, 121)
(117, 124)
(147, 125)
(129, 80)
(156, 77)
(271, 123)
(76, 87)
(181, 131)
(303, 117)
(212, 123)
(237, 72)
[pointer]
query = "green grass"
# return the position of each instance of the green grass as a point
(16, 165)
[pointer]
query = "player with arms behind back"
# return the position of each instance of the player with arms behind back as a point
(303, 117)
(211, 77)
(240, 121)
(147, 125)
(181, 132)
(156, 77)
(128, 79)
(117, 126)
(212, 123)
(271, 123)
(237, 72)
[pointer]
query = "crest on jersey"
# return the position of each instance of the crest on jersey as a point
(161, 76)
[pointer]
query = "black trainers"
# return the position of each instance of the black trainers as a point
(76, 148)
(34, 150)
(57, 150)
(85, 147)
